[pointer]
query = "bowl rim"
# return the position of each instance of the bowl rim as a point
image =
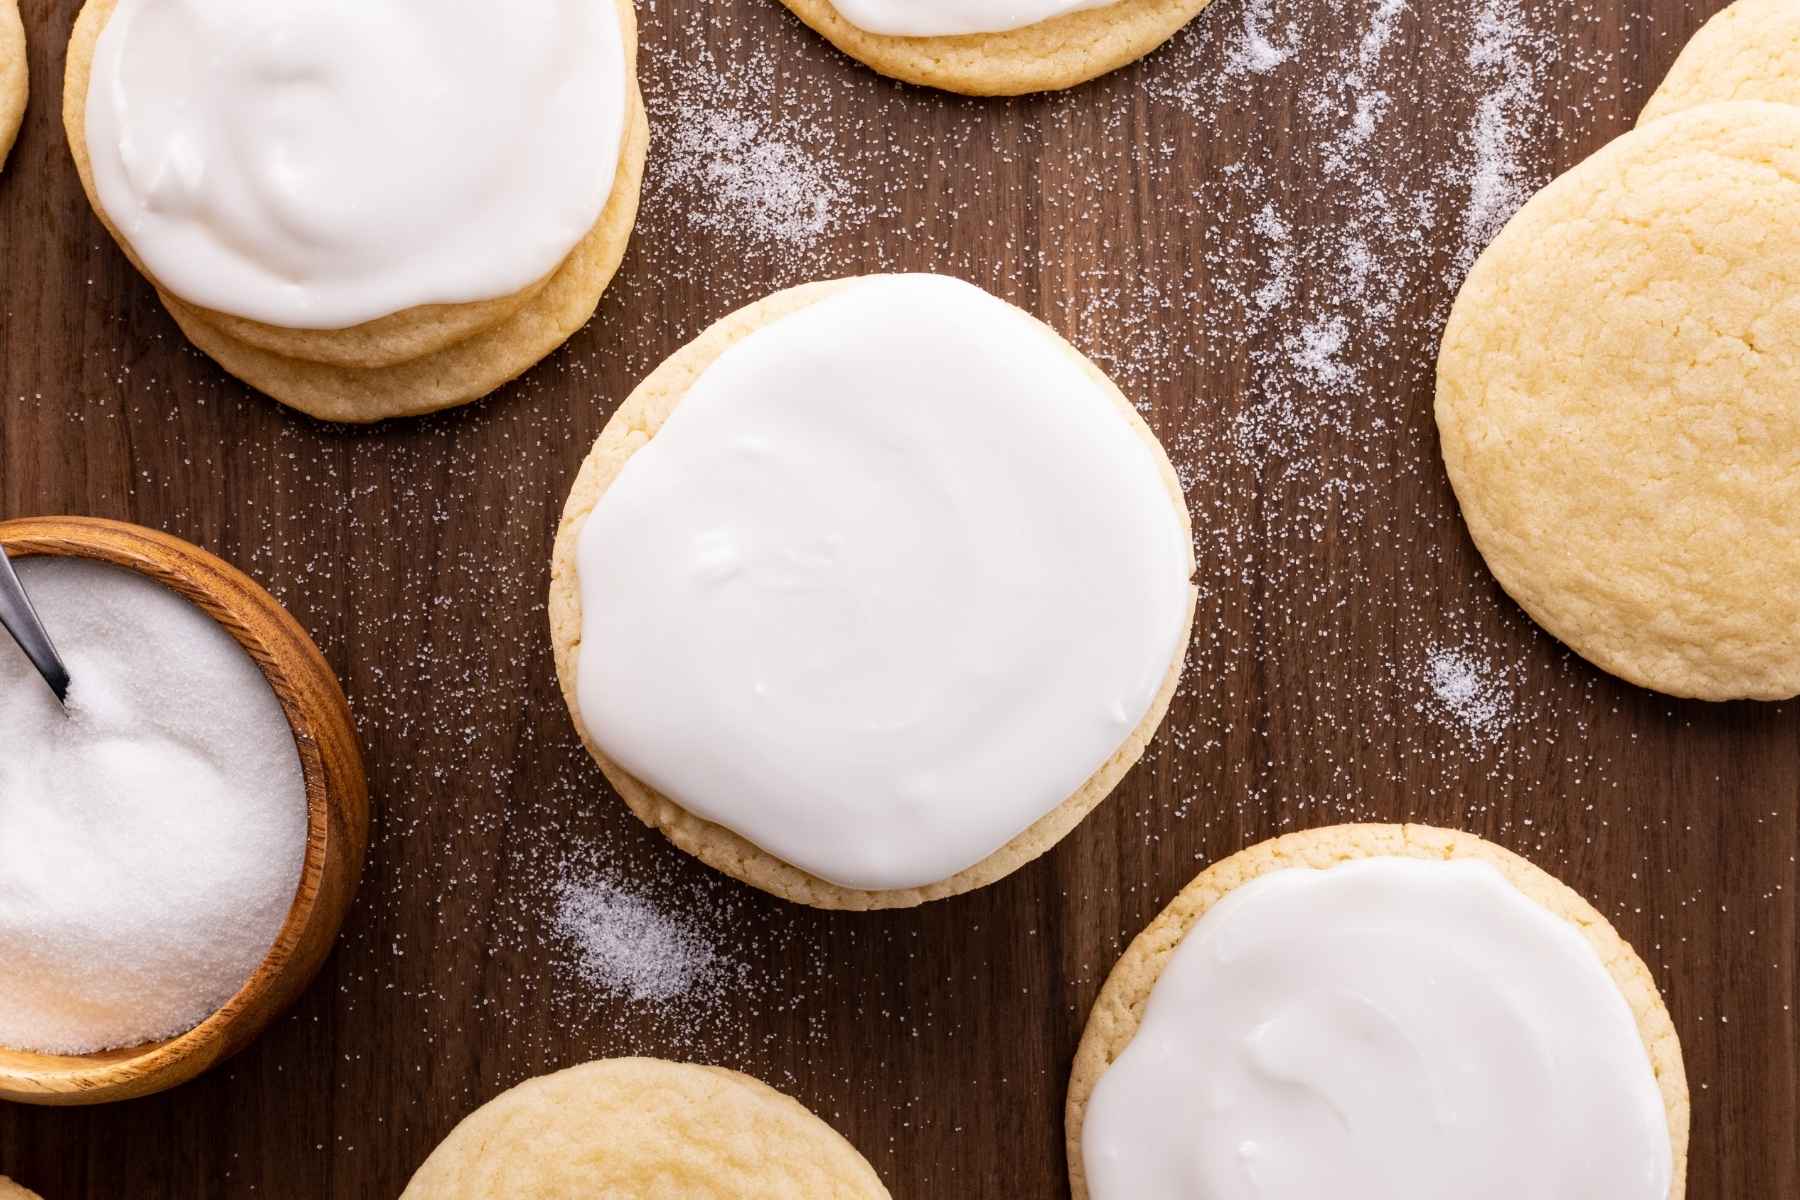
(224, 593)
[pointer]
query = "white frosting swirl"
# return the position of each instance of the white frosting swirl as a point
(893, 580)
(1373, 1032)
(947, 18)
(316, 164)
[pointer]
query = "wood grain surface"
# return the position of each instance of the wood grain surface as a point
(1194, 223)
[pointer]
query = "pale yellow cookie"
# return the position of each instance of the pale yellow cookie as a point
(12, 1191)
(1749, 51)
(466, 370)
(355, 384)
(1120, 1007)
(1619, 403)
(643, 1129)
(15, 76)
(384, 342)
(634, 424)
(1058, 53)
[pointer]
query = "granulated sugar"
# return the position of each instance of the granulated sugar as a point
(1256, 49)
(1506, 54)
(685, 951)
(1372, 251)
(1469, 693)
(629, 947)
(730, 163)
(150, 839)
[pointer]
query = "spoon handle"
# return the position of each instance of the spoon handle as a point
(21, 620)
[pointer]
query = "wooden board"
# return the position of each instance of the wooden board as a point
(1266, 273)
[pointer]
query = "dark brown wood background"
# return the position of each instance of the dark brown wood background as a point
(1333, 561)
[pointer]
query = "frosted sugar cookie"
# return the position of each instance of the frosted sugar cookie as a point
(1368, 1011)
(463, 371)
(996, 47)
(1619, 404)
(12, 1191)
(363, 191)
(642, 1127)
(15, 81)
(869, 594)
(1749, 51)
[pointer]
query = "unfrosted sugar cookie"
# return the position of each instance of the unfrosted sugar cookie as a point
(996, 47)
(1749, 51)
(643, 1127)
(12, 1191)
(1619, 404)
(364, 211)
(871, 593)
(1367, 1011)
(15, 78)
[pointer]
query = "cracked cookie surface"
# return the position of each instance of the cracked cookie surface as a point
(1619, 404)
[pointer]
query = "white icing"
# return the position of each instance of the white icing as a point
(893, 580)
(320, 163)
(946, 18)
(1388, 1029)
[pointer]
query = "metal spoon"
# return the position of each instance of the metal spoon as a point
(21, 620)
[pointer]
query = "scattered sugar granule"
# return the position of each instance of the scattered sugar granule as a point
(630, 947)
(1508, 55)
(1255, 51)
(738, 166)
(1468, 693)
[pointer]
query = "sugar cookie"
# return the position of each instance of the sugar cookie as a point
(1619, 404)
(341, 304)
(924, 610)
(1364, 1010)
(12, 1191)
(15, 81)
(466, 370)
(643, 1127)
(1079, 44)
(1748, 51)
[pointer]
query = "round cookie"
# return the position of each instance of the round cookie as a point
(1059, 53)
(1619, 404)
(1119, 1010)
(643, 1127)
(12, 1191)
(411, 362)
(637, 421)
(385, 341)
(466, 370)
(1748, 51)
(15, 81)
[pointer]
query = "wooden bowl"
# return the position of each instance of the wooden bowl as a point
(337, 806)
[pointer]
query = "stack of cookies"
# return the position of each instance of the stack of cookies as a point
(357, 268)
(1619, 384)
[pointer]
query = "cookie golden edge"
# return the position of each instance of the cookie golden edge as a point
(1455, 411)
(1052, 55)
(15, 77)
(8, 1189)
(1119, 1009)
(1749, 50)
(471, 369)
(561, 1114)
(629, 429)
(281, 356)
